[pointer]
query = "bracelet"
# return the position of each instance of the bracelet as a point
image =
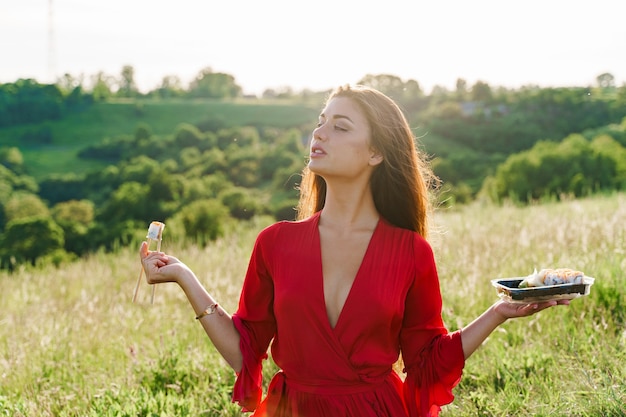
(208, 311)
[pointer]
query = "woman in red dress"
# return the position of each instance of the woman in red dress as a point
(340, 293)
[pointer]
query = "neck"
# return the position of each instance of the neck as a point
(349, 207)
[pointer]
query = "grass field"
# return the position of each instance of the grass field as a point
(73, 344)
(112, 119)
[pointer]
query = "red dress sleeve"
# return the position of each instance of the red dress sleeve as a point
(433, 357)
(255, 322)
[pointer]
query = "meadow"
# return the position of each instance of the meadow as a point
(73, 344)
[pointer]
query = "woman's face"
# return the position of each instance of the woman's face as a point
(341, 142)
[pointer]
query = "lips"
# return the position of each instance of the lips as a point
(317, 151)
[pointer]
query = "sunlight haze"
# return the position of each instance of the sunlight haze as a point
(317, 45)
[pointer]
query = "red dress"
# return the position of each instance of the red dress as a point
(394, 305)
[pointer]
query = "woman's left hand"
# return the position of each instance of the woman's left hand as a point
(474, 334)
(512, 310)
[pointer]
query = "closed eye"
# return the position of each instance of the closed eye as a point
(336, 117)
(336, 127)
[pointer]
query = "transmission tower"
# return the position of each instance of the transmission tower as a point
(51, 44)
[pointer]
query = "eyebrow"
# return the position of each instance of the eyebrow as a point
(338, 116)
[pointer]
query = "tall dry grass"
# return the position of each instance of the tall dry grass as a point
(567, 361)
(73, 344)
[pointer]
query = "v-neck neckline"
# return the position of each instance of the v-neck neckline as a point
(355, 281)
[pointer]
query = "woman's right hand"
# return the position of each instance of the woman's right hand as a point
(160, 267)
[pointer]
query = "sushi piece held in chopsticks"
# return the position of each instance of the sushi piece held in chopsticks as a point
(556, 276)
(155, 231)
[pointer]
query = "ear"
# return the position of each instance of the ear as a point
(375, 157)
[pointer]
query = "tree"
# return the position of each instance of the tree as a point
(205, 187)
(439, 94)
(129, 202)
(481, 91)
(610, 158)
(12, 159)
(68, 83)
(138, 169)
(75, 218)
(56, 188)
(187, 135)
(391, 85)
(573, 166)
(127, 85)
(28, 239)
(605, 80)
(204, 220)
(240, 203)
(461, 89)
(190, 157)
(74, 211)
(27, 101)
(413, 97)
(243, 166)
(142, 133)
(10, 183)
(286, 210)
(209, 84)
(171, 86)
(165, 193)
(242, 136)
(276, 159)
(101, 86)
(23, 205)
(212, 161)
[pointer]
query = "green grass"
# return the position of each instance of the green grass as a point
(112, 119)
(73, 344)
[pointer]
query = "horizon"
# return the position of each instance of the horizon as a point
(278, 44)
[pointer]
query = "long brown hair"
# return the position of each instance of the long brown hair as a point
(400, 185)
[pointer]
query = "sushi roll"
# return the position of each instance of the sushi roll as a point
(547, 277)
(155, 231)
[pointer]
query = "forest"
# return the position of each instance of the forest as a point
(85, 167)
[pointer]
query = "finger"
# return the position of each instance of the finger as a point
(143, 250)
(531, 308)
(548, 304)
(544, 305)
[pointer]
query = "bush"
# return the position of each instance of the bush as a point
(286, 210)
(204, 220)
(129, 201)
(240, 202)
(188, 136)
(57, 258)
(24, 205)
(57, 188)
(27, 239)
(81, 212)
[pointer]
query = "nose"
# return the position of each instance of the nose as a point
(319, 132)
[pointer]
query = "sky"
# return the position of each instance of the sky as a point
(319, 44)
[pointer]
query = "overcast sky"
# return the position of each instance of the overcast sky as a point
(317, 45)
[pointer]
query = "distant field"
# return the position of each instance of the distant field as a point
(73, 344)
(112, 119)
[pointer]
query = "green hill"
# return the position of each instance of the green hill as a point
(66, 137)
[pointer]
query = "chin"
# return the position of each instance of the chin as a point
(313, 167)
